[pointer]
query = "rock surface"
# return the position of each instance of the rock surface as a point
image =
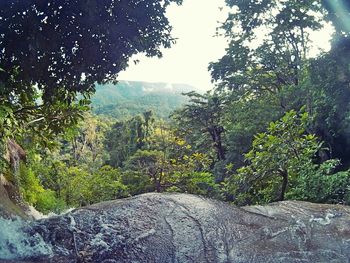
(185, 228)
(11, 203)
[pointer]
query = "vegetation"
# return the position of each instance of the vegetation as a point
(275, 126)
(46, 62)
(282, 163)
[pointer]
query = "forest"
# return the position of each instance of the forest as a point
(275, 126)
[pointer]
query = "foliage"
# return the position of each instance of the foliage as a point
(48, 202)
(268, 72)
(275, 61)
(77, 186)
(85, 188)
(94, 46)
(149, 163)
(319, 183)
(125, 138)
(137, 182)
(165, 162)
(49, 67)
(282, 164)
(106, 185)
(199, 183)
(245, 117)
(85, 142)
(199, 121)
(160, 161)
(44, 200)
(329, 87)
(244, 141)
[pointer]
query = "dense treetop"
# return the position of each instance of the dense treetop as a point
(51, 51)
(69, 45)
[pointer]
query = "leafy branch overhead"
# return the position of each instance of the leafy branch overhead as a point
(269, 41)
(51, 51)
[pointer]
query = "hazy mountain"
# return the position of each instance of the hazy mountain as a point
(128, 98)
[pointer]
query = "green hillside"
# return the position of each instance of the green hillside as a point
(128, 98)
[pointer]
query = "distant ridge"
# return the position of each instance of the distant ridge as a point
(128, 98)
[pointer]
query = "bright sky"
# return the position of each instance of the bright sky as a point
(194, 24)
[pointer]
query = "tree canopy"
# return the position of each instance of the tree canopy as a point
(70, 45)
(51, 51)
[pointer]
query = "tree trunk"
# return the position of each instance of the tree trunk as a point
(220, 150)
(215, 133)
(284, 175)
(158, 187)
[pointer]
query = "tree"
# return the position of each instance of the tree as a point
(262, 74)
(246, 116)
(202, 115)
(125, 138)
(83, 145)
(72, 185)
(167, 163)
(149, 120)
(267, 60)
(150, 164)
(30, 187)
(105, 184)
(51, 51)
(278, 59)
(330, 107)
(282, 162)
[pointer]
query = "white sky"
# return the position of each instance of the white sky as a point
(194, 24)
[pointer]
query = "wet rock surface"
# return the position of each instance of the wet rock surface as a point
(11, 203)
(185, 228)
